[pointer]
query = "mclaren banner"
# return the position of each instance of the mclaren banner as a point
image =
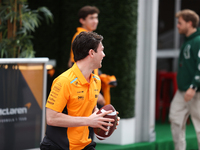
(21, 96)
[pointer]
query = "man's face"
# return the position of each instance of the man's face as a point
(90, 22)
(98, 56)
(182, 26)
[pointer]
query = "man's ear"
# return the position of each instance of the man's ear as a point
(91, 52)
(81, 20)
(190, 22)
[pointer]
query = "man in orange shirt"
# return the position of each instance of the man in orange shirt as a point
(71, 105)
(88, 18)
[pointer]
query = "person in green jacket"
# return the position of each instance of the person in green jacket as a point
(187, 98)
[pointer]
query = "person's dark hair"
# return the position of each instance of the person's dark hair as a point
(87, 10)
(189, 15)
(84, 42)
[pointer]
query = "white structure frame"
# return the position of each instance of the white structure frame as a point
(146, 70)
(147, 55)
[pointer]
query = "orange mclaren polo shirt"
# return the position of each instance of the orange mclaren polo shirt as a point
(73, 95)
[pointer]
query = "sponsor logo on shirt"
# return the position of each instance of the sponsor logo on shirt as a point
(186, 51)
(199, 54)
(80, 97)
(76, 83)
(50, 102)
(197, 78)
(95, 80)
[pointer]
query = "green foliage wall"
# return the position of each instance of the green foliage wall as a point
(118, 25)
(119, 31)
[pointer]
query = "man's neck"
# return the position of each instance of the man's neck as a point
(85, 70)
(190, 32)
(86, 28)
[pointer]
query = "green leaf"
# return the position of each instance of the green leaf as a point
(31, 19)
(48, 15)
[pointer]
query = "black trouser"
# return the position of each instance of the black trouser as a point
(91, 146)
(47, 144)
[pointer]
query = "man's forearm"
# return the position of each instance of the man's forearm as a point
(62, 120)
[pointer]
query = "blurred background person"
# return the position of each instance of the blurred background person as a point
(187, 98)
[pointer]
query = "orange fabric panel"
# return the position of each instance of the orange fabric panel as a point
(33, 74)
(106, 80)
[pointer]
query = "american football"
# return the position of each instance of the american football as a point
(101, 134)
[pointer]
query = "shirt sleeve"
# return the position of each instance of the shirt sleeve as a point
(59, 95)
(196, 78)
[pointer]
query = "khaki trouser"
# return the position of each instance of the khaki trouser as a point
(179, 113)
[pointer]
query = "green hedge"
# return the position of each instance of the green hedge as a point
(118, 25)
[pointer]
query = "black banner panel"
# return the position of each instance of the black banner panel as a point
(21, 94)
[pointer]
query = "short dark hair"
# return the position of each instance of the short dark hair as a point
(189, 15)
(84, 42)
(87, 10)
